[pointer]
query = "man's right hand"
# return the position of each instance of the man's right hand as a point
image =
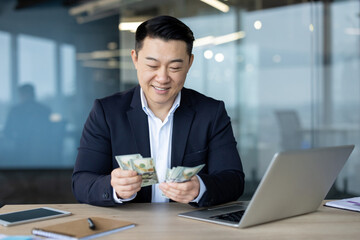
(125, 182)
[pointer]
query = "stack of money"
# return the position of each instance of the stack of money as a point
(182, 174)
(143, 166)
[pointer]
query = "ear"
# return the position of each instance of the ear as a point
(134, 58)
(191, 61)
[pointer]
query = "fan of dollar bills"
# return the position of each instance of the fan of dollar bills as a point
(143, 166)
(182, 174)
(146, 168)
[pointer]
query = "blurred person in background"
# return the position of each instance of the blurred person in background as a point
(27, 128)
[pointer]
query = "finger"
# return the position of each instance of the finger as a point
(171, 188)
(126, 191)
(163, 186)
(175, 194)
(178, 197)
(124, 181)
(185, 186)
(169, 191)
(118, 172)
(182, 192)
(128, 188)
(125, 194)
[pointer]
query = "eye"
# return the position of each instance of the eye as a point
(152, 66)
(175, 69)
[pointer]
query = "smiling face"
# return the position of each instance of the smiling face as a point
(161, 67)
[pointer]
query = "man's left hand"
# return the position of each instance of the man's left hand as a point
(182, 192)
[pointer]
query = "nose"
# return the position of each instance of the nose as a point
(162, 75)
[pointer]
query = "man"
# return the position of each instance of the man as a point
(28, 127)
(159, 119)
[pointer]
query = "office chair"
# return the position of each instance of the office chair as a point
(290, 130)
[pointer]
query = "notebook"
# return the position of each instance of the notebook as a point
(295, 183)
(351, 204)
(80, 229)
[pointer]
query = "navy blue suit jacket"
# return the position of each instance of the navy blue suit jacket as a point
(117, 125)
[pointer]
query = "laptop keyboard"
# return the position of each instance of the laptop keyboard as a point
(232, 216)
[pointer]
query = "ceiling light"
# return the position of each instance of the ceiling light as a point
(99, 9)
(219, 40)
(219, 57)
(101, 64)
(229, 38)
(257, 25)
(218, 5)
(204, 41)
(208, 54)
(103, 54)
(129, 26)
(311, 28)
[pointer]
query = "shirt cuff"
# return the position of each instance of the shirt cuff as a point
(201, 191)
(120, 200)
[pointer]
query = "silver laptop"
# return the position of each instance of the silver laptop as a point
(295, 183)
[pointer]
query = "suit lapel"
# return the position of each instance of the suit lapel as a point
(183, 118)
(139, 125)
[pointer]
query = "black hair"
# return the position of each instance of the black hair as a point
(166, 28)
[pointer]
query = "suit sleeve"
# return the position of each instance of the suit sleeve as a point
(91, 176)
(224, 179)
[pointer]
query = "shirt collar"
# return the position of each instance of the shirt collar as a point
(148, 111)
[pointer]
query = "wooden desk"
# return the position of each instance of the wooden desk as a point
(160, 221)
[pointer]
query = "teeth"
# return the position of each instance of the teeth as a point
(161, 89)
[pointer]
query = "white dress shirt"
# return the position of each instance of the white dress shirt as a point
(160, 133)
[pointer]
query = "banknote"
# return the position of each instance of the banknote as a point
(146, 168)
(124, 161)
(143, 166)
(182, 174)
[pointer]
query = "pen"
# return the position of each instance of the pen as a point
(91, 224)
(356, 203)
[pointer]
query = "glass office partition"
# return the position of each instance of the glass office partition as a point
(49, 78)
(5, 83)
(345, 71)
(288, 72)
(261, 77)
